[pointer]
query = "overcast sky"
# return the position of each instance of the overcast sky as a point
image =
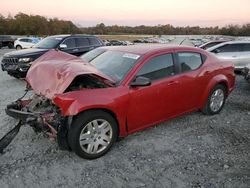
(136, 12)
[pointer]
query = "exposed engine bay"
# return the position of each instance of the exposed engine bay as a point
(86, 82)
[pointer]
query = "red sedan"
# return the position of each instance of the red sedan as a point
(120, 90)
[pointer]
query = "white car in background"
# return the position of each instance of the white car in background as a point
(238, 52)
(25, 42)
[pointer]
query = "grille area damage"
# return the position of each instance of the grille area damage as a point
(45, 117)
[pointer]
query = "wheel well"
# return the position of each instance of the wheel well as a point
(107, 111)
(223, 83)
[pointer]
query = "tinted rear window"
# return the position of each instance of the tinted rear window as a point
(23, 40)
(245, 48)
(94, 41)
(230, 48)
(82, 42)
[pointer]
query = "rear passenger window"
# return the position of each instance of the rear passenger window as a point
(189, 61)
(70, 43)
(158, 67)
(94, 41)
(24, 40)
(246, 47)
(229, 48)
(82, 42)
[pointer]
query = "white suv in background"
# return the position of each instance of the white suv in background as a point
(238, 52)
(26, 42)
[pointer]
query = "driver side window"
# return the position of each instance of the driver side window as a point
(158, 67)
(70, 43)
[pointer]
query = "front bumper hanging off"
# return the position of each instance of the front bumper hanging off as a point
(39, 121)
(14, 110)
(51, 123)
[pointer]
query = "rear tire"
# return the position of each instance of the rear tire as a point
(10, 45)
(92, 133)
(215, 101)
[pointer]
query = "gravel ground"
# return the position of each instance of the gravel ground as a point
(190, 151)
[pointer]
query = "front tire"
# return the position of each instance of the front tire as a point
(215, 101)
(92, 133)
(18, 47)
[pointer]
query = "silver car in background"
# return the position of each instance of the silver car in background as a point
(238, 52)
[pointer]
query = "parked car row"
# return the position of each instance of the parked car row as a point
(25, 42)
(160, 40)
(199, 41)
(117, 43)
(17, 63)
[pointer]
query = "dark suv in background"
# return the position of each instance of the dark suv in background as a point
(17, 63)
(6, 40)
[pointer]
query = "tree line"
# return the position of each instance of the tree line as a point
(232, 30)
(23, 24)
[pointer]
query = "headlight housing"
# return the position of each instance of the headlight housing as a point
(25, 60)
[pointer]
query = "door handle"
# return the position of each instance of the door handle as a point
(172, 83)
(75, 50)
(207, 72)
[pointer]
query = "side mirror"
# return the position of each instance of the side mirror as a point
(141, 81)
(62, 46)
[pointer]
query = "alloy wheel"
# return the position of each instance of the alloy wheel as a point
(217, 100)
(96, 136)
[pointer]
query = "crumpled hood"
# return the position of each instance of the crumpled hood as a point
(53, 72)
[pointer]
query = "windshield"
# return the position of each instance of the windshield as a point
(89, 56)
(115, 64)
(48, 43)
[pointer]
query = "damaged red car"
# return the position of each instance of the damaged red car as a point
(88, 102)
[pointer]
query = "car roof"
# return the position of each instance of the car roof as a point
(229, 42)
(142, 49)
(237, 42)
(71, 35)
